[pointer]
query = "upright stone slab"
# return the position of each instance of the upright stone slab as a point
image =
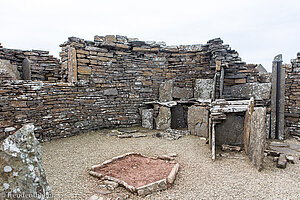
(277, 99)
(163, 120)
(257, 137)
(147, 118)
(198, 121)
(26, 69)
(72, 65)
(166, 91)
(21, 167)
(204, 88)
(247, 125)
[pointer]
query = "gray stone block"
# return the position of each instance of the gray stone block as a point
(260, 91)
(203, 88)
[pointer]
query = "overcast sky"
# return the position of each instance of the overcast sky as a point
(257, 29)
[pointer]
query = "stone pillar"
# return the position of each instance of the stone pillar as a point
(26, 69)
(277, 99)
(72, 65)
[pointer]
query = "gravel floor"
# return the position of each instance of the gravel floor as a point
(67, 162)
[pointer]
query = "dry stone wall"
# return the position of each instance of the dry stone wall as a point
(110, 79)
(44, 67)
(292, 97)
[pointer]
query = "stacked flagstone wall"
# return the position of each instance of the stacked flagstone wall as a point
(292, 97)
(44, 67)
(107, 81)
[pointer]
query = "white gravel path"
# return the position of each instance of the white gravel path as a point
(67, 162)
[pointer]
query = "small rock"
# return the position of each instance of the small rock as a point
(165, 157)
(94, 197)
(275, 159)
(172, 154)
(272, 153)
(281, 163)
(9, 129)
(125, 136)
(111, 185)
(127, 130)
(290, 159)
(103, 191)
(226, 147)
(138, 135)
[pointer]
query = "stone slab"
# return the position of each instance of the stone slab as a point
(166, 91)
(163, 120)
(183, 93)
(260, 91)
(198, 121)
(147, 118)
(203, 88)
(257, 137)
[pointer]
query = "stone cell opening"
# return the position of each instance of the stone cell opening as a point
(179, 115)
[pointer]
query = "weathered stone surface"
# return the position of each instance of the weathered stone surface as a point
(166, 91)
(204, 88)
(26, 69)
(22, 171)
(281, 163)
(72, 65)
(182, 93)
(259, 91)
(231, 131)
(198, 121)
(6, 68)
(257, 137)
(163, 120)
(147, 118)
(247, 125)
(112, 91)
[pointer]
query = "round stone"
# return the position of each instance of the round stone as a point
(7, 169)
